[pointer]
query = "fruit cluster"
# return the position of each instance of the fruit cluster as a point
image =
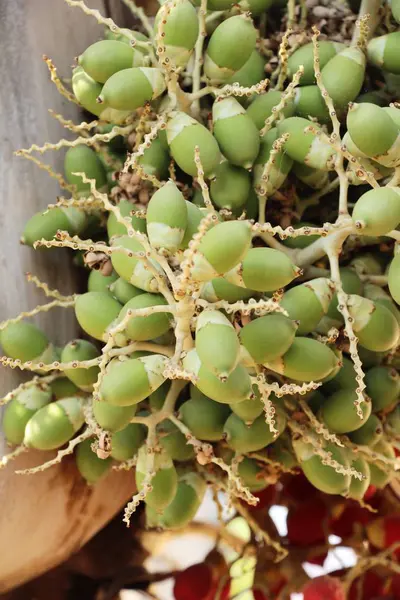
(240, 320)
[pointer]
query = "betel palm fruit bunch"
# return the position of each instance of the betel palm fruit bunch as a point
(240, 325)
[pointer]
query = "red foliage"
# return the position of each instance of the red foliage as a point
(324, 588)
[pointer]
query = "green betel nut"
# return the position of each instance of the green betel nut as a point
(383, 387)
(181, 29)
(339, 412)
(231, 187)
(126, 442)
(304, 57)
(165, 482)
(132, 268)
(380, 477)
(132, 88)
(97, 282)
(113, 418)
(343, 76)
(308, 303)
(24, 341)
(394, 278)
(280, 167)
(166, 217)
(252, 71)
(21, 408)
(217, 344)
(204, 417)
(95, 312)
(54, 424)
(221, 289)
(90, 466)
(383, 52)
(81, 159)
(306, 147)
(368, 434)
(114, 228)
(378, 221)
(142, 328)
(45, 225)
(262, 107)
(269, 337)
(79, 350)
(320, 475)
(374, 325)
(358, 487)
(374, 133)
(124, 291)
(183, 508)
(103, 59)
(249, 438)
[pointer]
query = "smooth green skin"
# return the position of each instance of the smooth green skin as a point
(393, 419)
(232, 43)
(351, 284)
(125, 265)
(249, 438)
(235, 389)
(115, 228)
(95, 311)
(268, 337)
(299, 143)
(167, 206)
(368, 434)
(157, 398)
(174, 442)
(183, 146)
(23, 341)
(308, 360)
(194, 217)
(140, 329)
(155, 160)
(369, 263)
(378, 222)
(381, 332)
(125, 383)
(97, 282)
(17, 414)
(302, 304)
(395, 6)
(358, 488)
(339, 413)
(369, 358)
(373, 98)
(226, 244)
(113, 418)
(394, 278)
(380, 478)
(218, 348)
(82, 159)
(50, 427)
(390, 60)
(249, 473)
(310, 103)
(79, 350)
(250, 409)
(267, 269)
(63, 388)
(305, 56)
(164, 484)
(371, 128)
(281, 451)
(106, 57)
(86, 91)
(128, 89)
(124, 291)
(262, 107)
(182, 26)
(120, 37)
(302, 241)
(344, 379)
(44, 225)
(323, 477)
(204, 417)
(282, 163)
(339, 355)
(343, 78)
(252, 71)
(238, 139)
(183, 507)
(383, 387)
(126, 442)
(89, 465)
(231, 187)
(225, 290)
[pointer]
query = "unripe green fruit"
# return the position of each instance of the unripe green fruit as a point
(95, 312)
(25, 341)
(304, 147)
(235, 132)
(113, 418)
(358, 488)
(306, 360)
(308, 303)
(256, 7)
(90, 466)
(395, 6)
(262, 107)
(63, 388)
(305, 56)
(76, 351)
(368, 434)
(44, 225)
(133, 269)
(308, 102)
(140, 329)
(393, 419)
(379, 171)
(383, 387)
(250, 409)
(344, 379)
(103, 59)
(368, 263)
(339, 413)
(351, 284)
(236, 388)
(383, 52)
(82, 159)
(204, 417)
(127, 441)
(371, 129)
(21, 408)
(221, 289)
(323, 477)
(282, 452)
(194, 217)
(165, 482)
(124, 291)
(181, 30)
(166, 217)
(174, 442)
(222, 247)
(374, 325)
(54, 424)
(378, 222)
(115, 228)
(315, 399)
(97, 282)
(251, 73)
(380, 478)
(280, 167)
(230, 188)
(394, 278)
(263, 270)
(229, 48)
(252, 475)
(369, 358)
(249, 438)
(157, 398)
(131, 88)
(125, 36)
(269, 337)
(185, 133)
(374, 97)
(378, 294)
(217, 343)
(183, 508)
(86, 90)
(343, 76)
(131, 381)
(155, 159)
